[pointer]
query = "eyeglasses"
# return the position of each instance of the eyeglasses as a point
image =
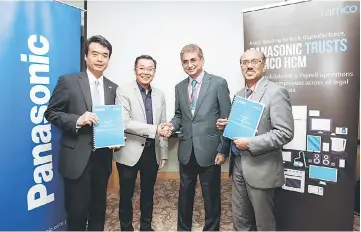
(192, 61)
(253, 62)
(142, 69)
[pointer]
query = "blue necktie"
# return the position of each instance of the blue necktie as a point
(248, 93)
(234, 149)
(194, 95)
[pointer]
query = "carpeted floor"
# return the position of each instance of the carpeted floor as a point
(165, 208)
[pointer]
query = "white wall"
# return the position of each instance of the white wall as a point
(161, 29)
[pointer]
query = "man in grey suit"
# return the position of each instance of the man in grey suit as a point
(86, 171)
(200, 100)
(145, 150)
(256, 163)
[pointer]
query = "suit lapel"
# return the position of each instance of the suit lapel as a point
(241, 92)
(203, 91)
(108, 99)
(139, 97)
(186, 96)
(85, 89)
(260, 90)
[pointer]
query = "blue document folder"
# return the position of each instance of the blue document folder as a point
(243, 119)
(110, 129)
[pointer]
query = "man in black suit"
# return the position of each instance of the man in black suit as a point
(86, 171)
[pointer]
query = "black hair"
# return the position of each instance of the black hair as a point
(100, 40)
(147, 57)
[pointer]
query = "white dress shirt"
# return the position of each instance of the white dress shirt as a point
(92, 80)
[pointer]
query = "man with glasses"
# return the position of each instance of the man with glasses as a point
(256, 163)
(201, 99)
(145, 150)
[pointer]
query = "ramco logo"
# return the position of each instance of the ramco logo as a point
(339, 11)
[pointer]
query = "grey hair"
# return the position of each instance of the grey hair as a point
(191, 48)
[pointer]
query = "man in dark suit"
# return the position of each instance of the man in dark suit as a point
(86, 171)
(201, 99)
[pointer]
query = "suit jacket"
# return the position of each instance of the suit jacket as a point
(135, 124)
(200, 131)
(262, 164)
(72, 98)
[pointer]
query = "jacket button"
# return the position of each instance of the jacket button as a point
(90, 143)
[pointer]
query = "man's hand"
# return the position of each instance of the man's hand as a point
(162, 163)
(241, 143)
(115, 147)
(87, 118)
(220, 159)
(221, 123)
(165, 129)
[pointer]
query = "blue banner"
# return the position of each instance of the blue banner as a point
(39, 41)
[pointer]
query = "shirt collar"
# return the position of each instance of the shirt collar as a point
(92, 78)
(198, 79)
(143, 90)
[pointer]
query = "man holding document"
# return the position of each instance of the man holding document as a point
(146, 148)
(256, 162)
(85, 170)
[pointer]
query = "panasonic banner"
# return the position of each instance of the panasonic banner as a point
(313, 50)
(39, 41)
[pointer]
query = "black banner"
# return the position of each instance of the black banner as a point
(313, 49)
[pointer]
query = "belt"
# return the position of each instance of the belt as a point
(149, 142)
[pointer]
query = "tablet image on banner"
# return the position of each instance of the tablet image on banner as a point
(110, 129)
(243, 119)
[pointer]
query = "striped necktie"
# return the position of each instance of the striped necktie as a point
(249, 92)
(193, 101)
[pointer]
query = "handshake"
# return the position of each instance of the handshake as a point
(165, 129)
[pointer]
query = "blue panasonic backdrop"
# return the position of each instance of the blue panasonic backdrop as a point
(39, 41)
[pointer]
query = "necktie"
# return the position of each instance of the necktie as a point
(193, 95)
(96, 94)
(234, 149)
(248, 93)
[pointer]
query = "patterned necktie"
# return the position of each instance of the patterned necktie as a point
(248, 93)
(194, 95)
(96, 94)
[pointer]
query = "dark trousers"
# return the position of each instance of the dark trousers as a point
(210, 178)
(252, 208)
(85, 197)
(148, 167)
(357, 197)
